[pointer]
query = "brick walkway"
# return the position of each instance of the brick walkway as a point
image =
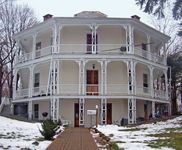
(74, 139)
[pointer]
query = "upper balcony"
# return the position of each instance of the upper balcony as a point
(102, 49)
(85, 40)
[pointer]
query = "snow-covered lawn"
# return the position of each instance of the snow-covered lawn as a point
(138, 138)
(15, 135)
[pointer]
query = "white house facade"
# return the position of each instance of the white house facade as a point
(70, 65)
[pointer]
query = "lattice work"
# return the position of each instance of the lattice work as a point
(55, 109)
(131, 111)
(53, 78)
(81, 112)
(103, 111)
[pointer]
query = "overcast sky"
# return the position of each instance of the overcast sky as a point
(67, 8)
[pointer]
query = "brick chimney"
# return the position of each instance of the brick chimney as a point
(48, 16)
(135, 17)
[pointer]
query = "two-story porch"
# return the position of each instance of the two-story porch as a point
(88, 83)
(70, 65)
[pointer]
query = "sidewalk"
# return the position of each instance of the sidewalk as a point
(74, 139)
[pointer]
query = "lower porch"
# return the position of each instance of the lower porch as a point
(85, 112)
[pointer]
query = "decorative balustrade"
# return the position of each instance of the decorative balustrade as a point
(22, 93)
(160, 94)
(149, 56)
(44, 51)
(69, 89)
(39, 91)
(102, 49)
(117, 89)
(90, 89)
(143, 91)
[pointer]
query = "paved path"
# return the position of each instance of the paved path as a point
(74, 139)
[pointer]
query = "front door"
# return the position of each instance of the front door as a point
(92, 82)
(76, 115)
(36, 111)
(109, 113)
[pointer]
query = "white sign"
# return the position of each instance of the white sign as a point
(91, 112)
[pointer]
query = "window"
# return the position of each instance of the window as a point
(145, 80)
(91, 40)
(38, 45)
(36, 79)
(144, 46)
(38, 52)
(145, 83)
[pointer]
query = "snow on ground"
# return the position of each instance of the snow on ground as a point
(137, 137)
(15, 135)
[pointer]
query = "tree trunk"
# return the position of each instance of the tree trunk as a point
(173, 99)
(1, 78)
(11, 82)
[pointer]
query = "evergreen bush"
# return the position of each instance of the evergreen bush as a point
(48, 129)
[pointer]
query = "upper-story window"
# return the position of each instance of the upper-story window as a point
(91, 39)
(144, 46)
(145, 83)
(38, 47)
(36, 79)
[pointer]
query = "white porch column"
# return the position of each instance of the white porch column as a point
(14, 83)
(30, 110)
(31, 80)
(131, 39)
(153, 109)
(131, 111)
(81, 111)
(148, 47)
(127, 37)
(103, 111)
(59, 38)
(166, 85)
(165, 53)
(103, 76)
(56, 38)
(94, 38)
(151, 81)
(80, 77)
(83, 77)
(34, 46)
(54, 109)
(57, 79)
(131, 77)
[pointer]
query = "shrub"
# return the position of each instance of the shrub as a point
(48, 129)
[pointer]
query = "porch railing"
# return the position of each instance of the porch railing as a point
(24, 57)
(148, 55)
(117, 89)
(22, 93)
(87, 49)
(44, 51)
(90, 89)
(143, 91)
(69, 89)
(39, 91)
(160, 94)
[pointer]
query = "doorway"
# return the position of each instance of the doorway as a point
(92, 82)
(76, 114)
(109, 113)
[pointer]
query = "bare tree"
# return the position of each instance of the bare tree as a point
(13, 19)
(170, 27)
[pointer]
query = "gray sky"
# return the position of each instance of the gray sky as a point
(67, 8)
